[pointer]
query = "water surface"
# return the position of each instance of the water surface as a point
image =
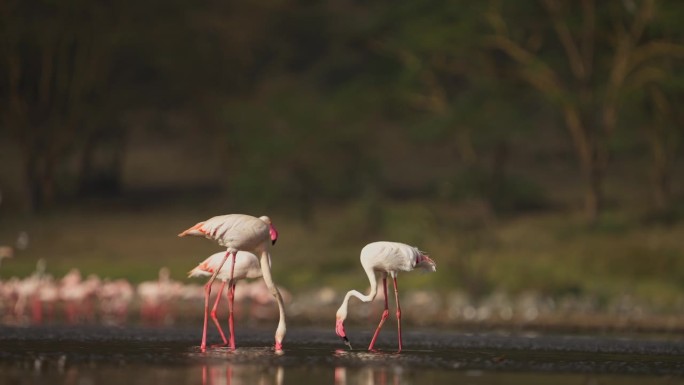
(100, 355)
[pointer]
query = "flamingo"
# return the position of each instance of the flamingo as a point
(6, 252)
(157, 296)
(246, 266)
(239, 232)
(387, 258)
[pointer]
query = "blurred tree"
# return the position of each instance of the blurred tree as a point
(657, 89)
(663, 132)
(291, 104)
(599, 47)
(445, 94)
(56, 63)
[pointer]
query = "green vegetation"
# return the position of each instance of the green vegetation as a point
(549, 252)
(526, 145)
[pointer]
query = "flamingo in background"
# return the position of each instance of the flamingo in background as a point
(239, 232)
(6, 252)
(385, 258)
(246, 266)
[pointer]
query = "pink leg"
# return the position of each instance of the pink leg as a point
(207, 294)
(37, 311)
(231, 299)
(396, 297)
(213, 315)
(71, 312)
(385, 314)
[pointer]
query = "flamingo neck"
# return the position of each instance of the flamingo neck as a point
(266, 274)
(342, 312)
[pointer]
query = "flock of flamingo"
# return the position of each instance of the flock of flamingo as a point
(247, 241)
(73, 299)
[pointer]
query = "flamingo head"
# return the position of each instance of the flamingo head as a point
(339, 329)
(426, 263)
(274, 234)
(271, 229)
(279, 336)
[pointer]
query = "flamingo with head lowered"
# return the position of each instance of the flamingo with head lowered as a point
(246, 266)
(239, 232)
(387, 258)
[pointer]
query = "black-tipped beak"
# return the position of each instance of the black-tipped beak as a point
(346, 342)
(273, 242)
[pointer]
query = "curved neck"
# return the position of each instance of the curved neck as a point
(353, 293)
(268, 279)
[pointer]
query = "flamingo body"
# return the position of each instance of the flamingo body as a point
(246, 266)
(236, 232)
(239, 232)
(387, 258)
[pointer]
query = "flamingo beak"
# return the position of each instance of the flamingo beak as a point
(339, 329)
(346, 342)
(274, 234)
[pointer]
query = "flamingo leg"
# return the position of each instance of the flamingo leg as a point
(396, 297)
(213, 314)
(230, 303)
(231, 298)
(385, 314)
(207, 294)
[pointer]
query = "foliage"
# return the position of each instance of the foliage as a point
(312, 103)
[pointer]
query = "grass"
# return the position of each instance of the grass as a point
(549, 252)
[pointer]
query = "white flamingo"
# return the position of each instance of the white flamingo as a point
(157, 296)
(387, 258)
(246, 266)
(114, 297)
(239, 232)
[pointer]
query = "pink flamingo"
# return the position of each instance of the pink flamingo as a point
(385, 258)
(246, 266)
(239, 232)
(157, 297)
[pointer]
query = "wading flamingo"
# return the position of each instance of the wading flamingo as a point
(387, 258)
(246, 266)
(239, 232)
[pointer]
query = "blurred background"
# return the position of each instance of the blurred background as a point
(532, 148)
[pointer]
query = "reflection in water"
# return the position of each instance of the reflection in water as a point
(256, 366)
(377, 368)
(369, 376)
(225, 373)
(231, 374)
(25, 362)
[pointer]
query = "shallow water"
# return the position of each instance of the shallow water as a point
(100, 355)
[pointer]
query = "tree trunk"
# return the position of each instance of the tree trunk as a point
(661, 187)
(40, 171)
(661, 149)
(592, 157)
(660, 170)
(593, 202)
(101, 163)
